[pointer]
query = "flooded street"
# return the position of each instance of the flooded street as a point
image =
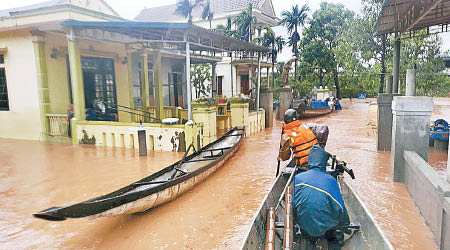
(213, 215)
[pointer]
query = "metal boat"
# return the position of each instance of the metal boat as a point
(158, 188)
(272, 225)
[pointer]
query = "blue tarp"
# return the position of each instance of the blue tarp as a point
(319, 104)
(440, 131)
(318, 203)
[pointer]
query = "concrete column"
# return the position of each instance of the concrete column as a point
(188, 80)
(239, 112)
(258, 87)
(231, 73)
(42, 81)
(267, 105)
(410, 82)
(285, 100)
(410, 130)
(268, 86)
(204, 111)
(76, 78)
(158, 82)
(384, 121)
(213, 80)
(396, 67)
(146, 87)
(130, 83)
(389, 81)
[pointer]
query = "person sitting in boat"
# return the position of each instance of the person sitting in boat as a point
(318, 204)
(297, 138)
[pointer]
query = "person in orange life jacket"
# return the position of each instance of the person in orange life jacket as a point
(297, 138)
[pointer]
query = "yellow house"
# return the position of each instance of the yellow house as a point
(113, 73)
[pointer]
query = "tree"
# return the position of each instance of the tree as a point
(244, 22)
(275, 42)
(207, 13)
(227, 30)
(316, 59)
(292, 21)
(200, 75)
(185, 7)
(326, 26)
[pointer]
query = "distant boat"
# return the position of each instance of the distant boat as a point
(312, 109)
(156, 189)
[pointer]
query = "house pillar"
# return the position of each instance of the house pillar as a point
(267, 105)
(388, 89)
(42, 81)
(285, 100)
(410, 82)
(258, 87)
(410, 130)
(213, 80)
(239, 112)
(130, 83)
(268, 78)
(204, 111)
(396, 67)
(384, 120)
(188, 79)
(158, 82)
(76, 77)
(144, 77)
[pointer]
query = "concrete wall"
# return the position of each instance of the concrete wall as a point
(22, 121)
(431, 194)
(114, 134)
(224, 69)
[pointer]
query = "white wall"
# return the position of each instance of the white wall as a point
(22, 121)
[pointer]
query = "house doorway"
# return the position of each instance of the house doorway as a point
(99, 88)
(245, 88)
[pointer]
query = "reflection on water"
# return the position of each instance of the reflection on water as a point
(214, 215)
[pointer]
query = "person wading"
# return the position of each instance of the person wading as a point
(297, 138)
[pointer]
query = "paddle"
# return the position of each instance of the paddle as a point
(278, 165)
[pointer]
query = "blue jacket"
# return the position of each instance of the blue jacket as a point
(318, 203)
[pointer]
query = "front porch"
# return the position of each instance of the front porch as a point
(110, 77)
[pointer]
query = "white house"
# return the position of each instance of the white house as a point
(234, 79)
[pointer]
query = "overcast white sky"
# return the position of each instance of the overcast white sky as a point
(130, 8)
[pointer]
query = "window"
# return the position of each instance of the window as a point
(4, 102)
(150, 81)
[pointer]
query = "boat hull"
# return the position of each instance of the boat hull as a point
(369, 236)
(158, 188)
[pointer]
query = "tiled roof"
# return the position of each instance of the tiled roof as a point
(4, 13)
(166, 13)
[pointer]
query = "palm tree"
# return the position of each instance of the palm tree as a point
(292, 20)
(185, 7)
(244, 22)
(275, 42)
(207, 13)
(227, 30)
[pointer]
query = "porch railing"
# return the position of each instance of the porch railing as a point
(181, 114)
(58, 124)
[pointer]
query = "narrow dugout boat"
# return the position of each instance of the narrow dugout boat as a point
(272, 227)
(158, 188)
(314, 112)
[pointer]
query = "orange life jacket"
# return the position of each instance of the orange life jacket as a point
(302, 139)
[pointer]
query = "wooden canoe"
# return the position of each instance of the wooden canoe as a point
(273, 207)
(314, 112)
(156, 189)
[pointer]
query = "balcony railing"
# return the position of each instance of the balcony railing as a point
(58, 124)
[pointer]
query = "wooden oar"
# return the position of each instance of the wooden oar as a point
(278, 166)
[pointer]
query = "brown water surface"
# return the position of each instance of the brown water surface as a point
(214, 215)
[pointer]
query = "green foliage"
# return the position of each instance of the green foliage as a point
(200, 77)
(207, 14)
(244, 22)
(185, 7)
(227, 30)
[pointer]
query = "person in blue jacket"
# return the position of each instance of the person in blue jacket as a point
(318, 203)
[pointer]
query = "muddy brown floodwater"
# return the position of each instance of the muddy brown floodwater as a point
(215, 214)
